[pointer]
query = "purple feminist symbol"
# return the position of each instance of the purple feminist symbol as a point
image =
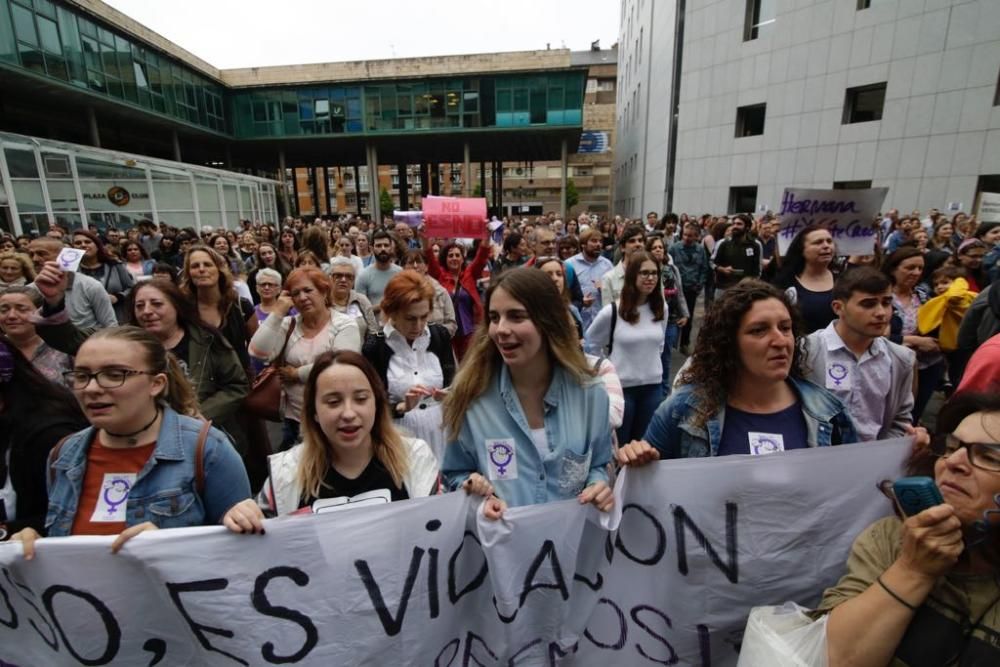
(501, 456)
(121, 488)
(66, 259)
(837, 373)
(766, 445)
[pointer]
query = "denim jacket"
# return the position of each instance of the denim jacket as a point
(164, 490)
(673, 433)
(576, 427)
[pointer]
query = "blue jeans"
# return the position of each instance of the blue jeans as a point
(289, 434)
(640, 404)
(669, 343)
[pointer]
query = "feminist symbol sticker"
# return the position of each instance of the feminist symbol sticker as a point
(115, 490)
(837, 376)
(502, 457)
(69, 259)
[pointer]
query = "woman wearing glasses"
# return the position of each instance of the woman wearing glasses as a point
(925, 590)
(345, 300)
(298, 340)
(144, 462)
(632, 332)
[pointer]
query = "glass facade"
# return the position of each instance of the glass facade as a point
(46, 182)
(548, 99)
(57, 42)
(63, 44)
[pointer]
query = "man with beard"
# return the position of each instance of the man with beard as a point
(374, 277)
(590, 266)
(738, 256)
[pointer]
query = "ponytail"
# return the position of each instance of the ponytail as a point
(179, 393)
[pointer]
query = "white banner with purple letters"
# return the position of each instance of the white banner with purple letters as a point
(667, 578)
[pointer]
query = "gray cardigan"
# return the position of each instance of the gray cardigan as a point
(898, 405)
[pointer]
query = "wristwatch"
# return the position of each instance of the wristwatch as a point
(4, 533)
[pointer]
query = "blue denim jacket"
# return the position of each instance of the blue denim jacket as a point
(673, 433)
(164, 490)
(576, 426)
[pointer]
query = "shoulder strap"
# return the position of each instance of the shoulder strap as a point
(614, 321)
(54, 456)
(199, 458)
(280, 359)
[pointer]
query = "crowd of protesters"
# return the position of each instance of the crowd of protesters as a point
(526, 365)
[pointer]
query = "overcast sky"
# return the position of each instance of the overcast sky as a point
(247, 33)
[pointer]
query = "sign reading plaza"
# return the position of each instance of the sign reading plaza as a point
(454, 217)
(667, 578)
(847, 214)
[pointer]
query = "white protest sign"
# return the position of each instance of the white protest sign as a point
(69, 259)
(848, 214)
(989, 207)
(667, 578)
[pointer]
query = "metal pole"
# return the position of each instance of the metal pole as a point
(95, 133)
(467, 173)
(562, 181)
(374, 192)
(177, 148)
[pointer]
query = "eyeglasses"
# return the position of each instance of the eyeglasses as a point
(649, 274)
(342, 276)
(984, 455)
(107, 378)
(267, 285)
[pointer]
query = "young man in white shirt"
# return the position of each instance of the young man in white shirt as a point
(871, 376)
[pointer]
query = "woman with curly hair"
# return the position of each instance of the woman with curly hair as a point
(744, 392)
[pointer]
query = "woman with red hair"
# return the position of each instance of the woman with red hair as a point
(413, 358)
(298, 340)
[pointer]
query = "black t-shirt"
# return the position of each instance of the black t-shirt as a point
(180, 352)
(372, 478)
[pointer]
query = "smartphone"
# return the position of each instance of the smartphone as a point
(915, 494)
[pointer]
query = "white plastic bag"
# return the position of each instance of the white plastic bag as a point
(783, 637)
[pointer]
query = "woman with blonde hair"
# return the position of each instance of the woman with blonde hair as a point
(504, 435)
(349, 447)
(146, 461)
(16, 270)
(208, 282)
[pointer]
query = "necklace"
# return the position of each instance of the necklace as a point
(130, 437)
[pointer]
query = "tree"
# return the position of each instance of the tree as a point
(572, 196)
(385, 203)
(477, 191)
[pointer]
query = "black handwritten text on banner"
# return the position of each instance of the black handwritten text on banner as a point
(669, 578)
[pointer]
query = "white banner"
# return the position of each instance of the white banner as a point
(848, 214)
(669, 577)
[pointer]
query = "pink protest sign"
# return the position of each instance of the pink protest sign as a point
(454, 217)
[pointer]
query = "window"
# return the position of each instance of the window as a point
(851, 185)
(742, 199)
(759, 18)
(750, 120)
(864, 103)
